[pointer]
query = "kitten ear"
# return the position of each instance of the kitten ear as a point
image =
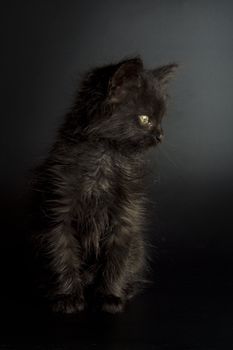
(164, 74)
(126, 76)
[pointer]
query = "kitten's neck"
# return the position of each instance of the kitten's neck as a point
(126, 149)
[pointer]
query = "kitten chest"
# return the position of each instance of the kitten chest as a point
(108, 184)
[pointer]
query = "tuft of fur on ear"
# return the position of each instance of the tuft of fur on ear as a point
(125, 78)
(164, 74)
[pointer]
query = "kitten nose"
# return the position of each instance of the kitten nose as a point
(159, 137)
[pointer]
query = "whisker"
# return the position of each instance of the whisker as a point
(170, 145)
(162, 150)
(172, 162)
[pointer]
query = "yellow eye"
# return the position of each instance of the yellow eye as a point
(144, 119)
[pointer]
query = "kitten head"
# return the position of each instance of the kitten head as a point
(127, 103)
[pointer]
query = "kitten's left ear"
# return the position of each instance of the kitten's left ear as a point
(164, 74)
(126, 77)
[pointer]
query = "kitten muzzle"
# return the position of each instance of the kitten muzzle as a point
(158, 137)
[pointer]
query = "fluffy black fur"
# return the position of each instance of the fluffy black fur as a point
(88, 194)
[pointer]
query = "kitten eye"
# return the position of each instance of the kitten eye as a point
(144, 119)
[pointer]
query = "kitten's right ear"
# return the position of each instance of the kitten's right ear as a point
(125, 77)
(164, 74)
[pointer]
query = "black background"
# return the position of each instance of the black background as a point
(46, 45)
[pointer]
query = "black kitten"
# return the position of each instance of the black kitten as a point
(88, 193)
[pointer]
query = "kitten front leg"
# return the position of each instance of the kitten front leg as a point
(62, 251)
(113, 272)
(123, 259)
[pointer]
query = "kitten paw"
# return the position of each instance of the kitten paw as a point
(112, 304)
(68, 305)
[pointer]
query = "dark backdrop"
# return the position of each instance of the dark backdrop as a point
(46, 45)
